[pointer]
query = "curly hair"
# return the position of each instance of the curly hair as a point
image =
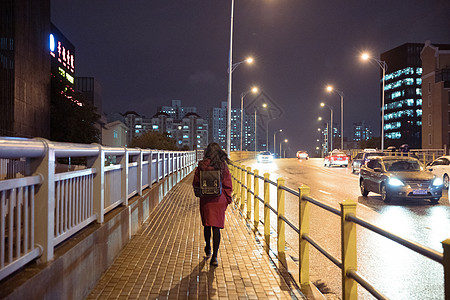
(216, 155)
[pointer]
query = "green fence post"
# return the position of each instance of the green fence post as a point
(280, 209)
(304, 213)
(348, 248)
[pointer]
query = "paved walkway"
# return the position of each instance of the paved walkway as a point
(165, 260)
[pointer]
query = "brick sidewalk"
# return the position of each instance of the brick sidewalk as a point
(165, 260)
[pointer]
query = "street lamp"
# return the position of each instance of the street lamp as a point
(331, 122)
(267, 129)
(243, 94)
(256, 108)
(341, 94)
(325, 144)
(231, 68)
(280, 146)
(383, 66)
(274, 143)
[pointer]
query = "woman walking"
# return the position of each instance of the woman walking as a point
(212, 209)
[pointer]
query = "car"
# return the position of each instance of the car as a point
(336, 158)
(362, 158)
(302, 155)
(399, 177)
(264, 156)
(441, 168)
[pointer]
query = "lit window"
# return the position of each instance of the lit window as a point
(155, 127)
(115, 134)
(419, 91)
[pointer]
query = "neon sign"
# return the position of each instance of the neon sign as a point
(61, 53)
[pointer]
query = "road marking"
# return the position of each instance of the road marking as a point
(325, 192)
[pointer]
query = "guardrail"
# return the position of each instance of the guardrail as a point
(41, 207)
(424, 155)
(242, 180)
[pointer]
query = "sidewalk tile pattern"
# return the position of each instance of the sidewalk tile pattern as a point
(165, 260)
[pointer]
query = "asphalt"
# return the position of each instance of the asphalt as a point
(166, 259)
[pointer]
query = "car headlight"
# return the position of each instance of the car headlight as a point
(395, 182)
(437, 181)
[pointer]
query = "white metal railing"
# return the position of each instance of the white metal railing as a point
(43, 208)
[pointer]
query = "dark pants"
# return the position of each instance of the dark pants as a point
(216, 238)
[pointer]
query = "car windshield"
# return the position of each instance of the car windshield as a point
(266, 153)
(402, 165)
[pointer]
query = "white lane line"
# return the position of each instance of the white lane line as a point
(325, 192)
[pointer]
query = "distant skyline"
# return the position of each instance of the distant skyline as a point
(147, 53)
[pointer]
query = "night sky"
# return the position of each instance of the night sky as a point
(145, 53)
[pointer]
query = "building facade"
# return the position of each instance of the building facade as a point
(24, 68)
(436, 96)
(176, 111)
(217, 121)
(403, 95)
(362, 131)
(114, 134)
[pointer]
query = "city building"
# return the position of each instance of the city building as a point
(136, 124)
(217, 121)
(436, 96)
(403, 95)
(176, 111)
(114, 134)
(25, 68)
(362, 131)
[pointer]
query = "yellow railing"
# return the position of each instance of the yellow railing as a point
(242, 179)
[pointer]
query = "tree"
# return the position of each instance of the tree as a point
(154, 140)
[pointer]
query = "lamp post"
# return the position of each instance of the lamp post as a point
(267, 129)
(280, 146)
(383, 66)
(231, 68)
(331, 123)
(243, 94)
(325, 143)
(341, 94)
(274, 143)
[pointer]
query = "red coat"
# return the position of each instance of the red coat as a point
(212, 209)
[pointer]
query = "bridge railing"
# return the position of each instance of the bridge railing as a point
(244, 195)
(42, 204)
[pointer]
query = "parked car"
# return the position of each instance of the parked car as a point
(441, 168)
(336, 158)
(302, 155)
(265, 156)
(399, 177)
(363, 157)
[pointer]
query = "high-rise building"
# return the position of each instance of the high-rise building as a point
(403, 95)
(176, 111)
(217, 121)
(361, 131)
(436, 96)
(24, 68)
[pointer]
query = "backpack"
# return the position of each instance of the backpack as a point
(210, 184)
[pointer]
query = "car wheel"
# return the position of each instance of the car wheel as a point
(384, 194)
(364, 192)
(434, 200)
(445, 179)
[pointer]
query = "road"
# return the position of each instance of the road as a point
(394, 270)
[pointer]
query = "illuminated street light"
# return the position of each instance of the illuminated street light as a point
(243, 94)
(264, 105)
(341, 94)
(383, 66)
(331, 122)
(274, 143)
(231, 68)
(280, 147)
